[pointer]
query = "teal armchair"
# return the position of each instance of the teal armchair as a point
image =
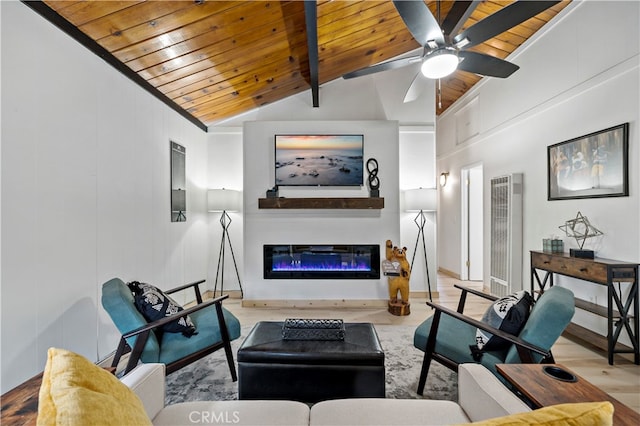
(216, 328)
(447, 335)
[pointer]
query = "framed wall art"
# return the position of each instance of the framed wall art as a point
(590, 166)
(178, 183)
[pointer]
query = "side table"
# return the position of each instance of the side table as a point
(20, 404)
(539, 389)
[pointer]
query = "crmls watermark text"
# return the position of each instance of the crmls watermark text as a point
(214, 417)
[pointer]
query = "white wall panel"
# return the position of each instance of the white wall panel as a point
(316, 226)
(85, 194)
(417, 170)
(582, 87)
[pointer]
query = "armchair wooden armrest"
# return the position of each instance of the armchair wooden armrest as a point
(142, 333)
(195, 286)
(524, 348)
(463, 296)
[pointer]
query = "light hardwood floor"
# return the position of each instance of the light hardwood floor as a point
(621, 380)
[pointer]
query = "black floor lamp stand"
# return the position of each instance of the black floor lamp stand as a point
(225, 221)
(420, 220)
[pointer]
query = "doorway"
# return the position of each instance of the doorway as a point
(472, 223)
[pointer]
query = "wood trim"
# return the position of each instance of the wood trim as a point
(320, 303)
(233, 294)
(54, 18)
(423, 295)
(321, 203)
(329, 303)
(448, 273)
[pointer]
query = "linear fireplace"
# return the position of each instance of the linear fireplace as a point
(309, 261)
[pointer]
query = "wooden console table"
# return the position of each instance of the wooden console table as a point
(539, 389)
(620, 311)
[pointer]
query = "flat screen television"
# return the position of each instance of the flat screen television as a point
(319, 160)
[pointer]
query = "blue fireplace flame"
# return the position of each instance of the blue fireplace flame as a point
(343, 261)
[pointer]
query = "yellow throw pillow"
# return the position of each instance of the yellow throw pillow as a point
(75, 391)
(576, 414)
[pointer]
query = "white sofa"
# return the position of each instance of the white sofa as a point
(480, 396)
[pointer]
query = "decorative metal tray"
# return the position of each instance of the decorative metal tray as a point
(313, 329)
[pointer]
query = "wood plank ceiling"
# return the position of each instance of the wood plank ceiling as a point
(218, 59)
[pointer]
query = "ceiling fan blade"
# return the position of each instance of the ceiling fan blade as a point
(415, 89)
(499, 22)
(457, 16)
(384, 66)
(482, 64)
(420, 21)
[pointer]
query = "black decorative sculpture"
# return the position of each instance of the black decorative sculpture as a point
(273, 192)
(374, 182)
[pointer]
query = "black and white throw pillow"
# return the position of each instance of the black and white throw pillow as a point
(154, 304)
(508, 314)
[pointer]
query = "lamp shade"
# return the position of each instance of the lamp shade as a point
(420, 199)
(223, 200)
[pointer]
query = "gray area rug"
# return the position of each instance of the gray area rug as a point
(209, 379)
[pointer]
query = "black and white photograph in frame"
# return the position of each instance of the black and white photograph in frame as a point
(590, 166)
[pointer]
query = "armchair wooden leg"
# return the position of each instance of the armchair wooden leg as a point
(136, 352)
(226, 342)
(426, 363)
(123, 348)
(428, 353)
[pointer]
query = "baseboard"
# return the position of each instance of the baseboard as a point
(423, 294)
(233, 294)
(448, 273)
(327, 303)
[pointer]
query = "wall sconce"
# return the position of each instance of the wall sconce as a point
(443, 178)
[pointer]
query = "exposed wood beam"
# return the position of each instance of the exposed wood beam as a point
(458, 14)
(311, 19)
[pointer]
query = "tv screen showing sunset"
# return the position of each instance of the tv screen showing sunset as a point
(319, 160)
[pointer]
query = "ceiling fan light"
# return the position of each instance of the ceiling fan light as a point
(439, 63)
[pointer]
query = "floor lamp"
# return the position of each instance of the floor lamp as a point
(224, 200)
(421, 200)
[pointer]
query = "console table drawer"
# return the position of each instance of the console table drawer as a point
(585, 269)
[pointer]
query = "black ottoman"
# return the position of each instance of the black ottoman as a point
(310, 370)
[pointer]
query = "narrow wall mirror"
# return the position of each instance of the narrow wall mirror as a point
(178, 183)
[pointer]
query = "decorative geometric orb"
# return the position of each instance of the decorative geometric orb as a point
(580, 228)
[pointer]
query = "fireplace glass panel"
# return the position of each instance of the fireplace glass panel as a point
(322, 261)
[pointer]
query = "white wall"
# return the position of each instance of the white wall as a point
(224, 170)
(316, 226)
(417, 147)
(85, 194)
(572, 81)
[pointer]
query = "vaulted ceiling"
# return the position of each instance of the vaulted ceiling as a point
(212, 60)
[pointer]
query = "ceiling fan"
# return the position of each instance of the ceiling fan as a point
(445, 49)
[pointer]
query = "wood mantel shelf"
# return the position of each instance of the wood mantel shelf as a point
(321, 203)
